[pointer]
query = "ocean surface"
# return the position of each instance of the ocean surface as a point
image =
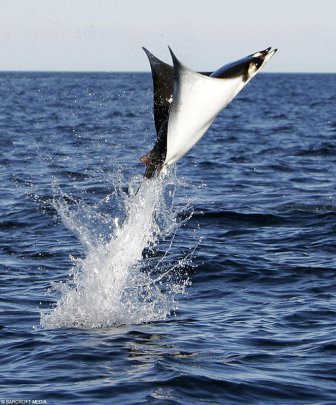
(213, 284)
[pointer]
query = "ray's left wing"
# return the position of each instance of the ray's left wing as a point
(163, 86)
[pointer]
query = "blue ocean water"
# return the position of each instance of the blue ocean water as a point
(212, 285)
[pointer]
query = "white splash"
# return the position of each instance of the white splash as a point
(114, 284)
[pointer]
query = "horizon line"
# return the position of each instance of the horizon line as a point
(139, 71)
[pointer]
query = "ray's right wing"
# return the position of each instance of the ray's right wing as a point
(197, 99)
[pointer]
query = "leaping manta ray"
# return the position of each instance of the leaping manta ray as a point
(186, 103)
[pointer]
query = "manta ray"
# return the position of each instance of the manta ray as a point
(186, 102)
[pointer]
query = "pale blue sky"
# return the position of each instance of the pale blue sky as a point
(107, 35)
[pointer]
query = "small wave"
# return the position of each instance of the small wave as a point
(325, 149)
(321, 209)
(250, 218)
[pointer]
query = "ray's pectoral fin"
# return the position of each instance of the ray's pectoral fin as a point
(163, 87)
(197, 100)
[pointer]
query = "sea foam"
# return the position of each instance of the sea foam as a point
(115, 284)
